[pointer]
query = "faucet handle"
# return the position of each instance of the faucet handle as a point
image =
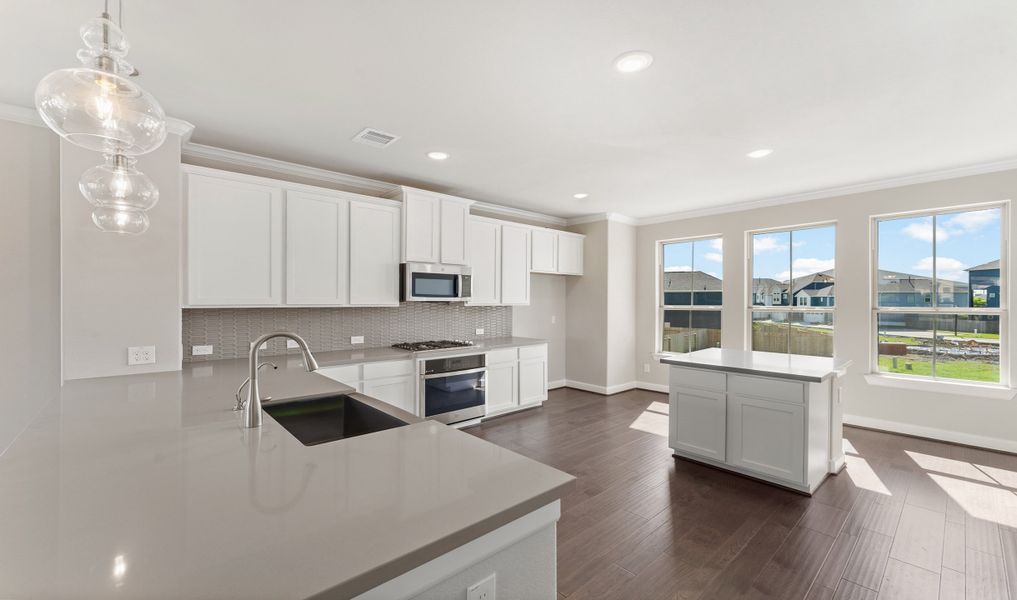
(241, 401)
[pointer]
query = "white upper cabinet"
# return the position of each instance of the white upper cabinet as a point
(435, 227)
(234, 242)
(455, 234)
(558, 252)
(515, 260)
(544, 251)
(374, 253)
(570, 253)
(317, 249)
(485, 260)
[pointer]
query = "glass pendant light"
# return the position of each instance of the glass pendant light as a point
(96, 106)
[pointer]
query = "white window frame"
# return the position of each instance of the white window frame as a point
(790, 308)
(1001, 311)
(661, 307)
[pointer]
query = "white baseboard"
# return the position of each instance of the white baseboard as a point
(553, 385)
(615, 389)
(956, 437)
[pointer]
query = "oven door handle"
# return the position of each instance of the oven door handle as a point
(453, 373)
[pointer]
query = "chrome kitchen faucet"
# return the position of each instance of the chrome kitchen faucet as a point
(252, 410)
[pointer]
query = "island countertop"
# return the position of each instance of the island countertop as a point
(146, 486)
(771, 364)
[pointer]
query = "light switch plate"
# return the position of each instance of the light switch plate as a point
(482, 590)
(480, 331)
(646, 367)
(357, 339)
(141, 355)
(201, 350)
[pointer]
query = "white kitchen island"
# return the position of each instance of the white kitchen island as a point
(774, 417)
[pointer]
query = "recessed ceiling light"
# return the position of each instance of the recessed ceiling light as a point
(633, 62)
(580, 195)
(761, 153)
(437, 155)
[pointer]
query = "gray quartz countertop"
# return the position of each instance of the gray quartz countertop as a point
(337, 358)
(771, 364)
(146, 486)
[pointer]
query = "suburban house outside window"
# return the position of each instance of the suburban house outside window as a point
(792, 290)
(939, 309)
(691, 281)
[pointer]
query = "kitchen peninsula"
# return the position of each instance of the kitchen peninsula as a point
(772, 416)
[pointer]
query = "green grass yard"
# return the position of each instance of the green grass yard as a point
(964, 370)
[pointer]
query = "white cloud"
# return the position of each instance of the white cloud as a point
(806, 266)
(946, 268)
(797, 244)
(678, 269)
(972, 221)
(768, 243)
(714, 256)
(717, 244)
(783, 276)
(923, 232)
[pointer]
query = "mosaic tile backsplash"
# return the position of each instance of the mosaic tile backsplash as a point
(230, 331)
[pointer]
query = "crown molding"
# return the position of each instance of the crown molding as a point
(858, 188)
(180, 127)
(616, 217)
(518, 213)
(357, 184)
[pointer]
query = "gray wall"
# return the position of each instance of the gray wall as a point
(30, 270)
(586, 303)
(231, 330)
(547, 304)
(120, 291)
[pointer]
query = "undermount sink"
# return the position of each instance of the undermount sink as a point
(329, 417)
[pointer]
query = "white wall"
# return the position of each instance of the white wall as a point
(119, 290)
(547, 303)
(964, 418)
(30, 270)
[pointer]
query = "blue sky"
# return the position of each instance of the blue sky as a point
(964, 239)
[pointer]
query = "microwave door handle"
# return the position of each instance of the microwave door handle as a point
(454, 373)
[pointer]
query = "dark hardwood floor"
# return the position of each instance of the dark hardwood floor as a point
(908, 518)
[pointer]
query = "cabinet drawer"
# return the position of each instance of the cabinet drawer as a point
(698, 378)
(767, 387)
(394, 368)
(507, 355)
(348, 374)
(539, 351)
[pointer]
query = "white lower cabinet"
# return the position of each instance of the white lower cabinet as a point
(767, 436)
(397, 391)
(699, 423)
(532, 374)
(502, 381)
(392, 382)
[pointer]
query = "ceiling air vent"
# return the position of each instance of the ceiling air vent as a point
(375, 137)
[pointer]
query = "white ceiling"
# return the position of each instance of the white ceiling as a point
(523, 95)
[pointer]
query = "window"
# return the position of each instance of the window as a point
(792, 291)
(938, 309)
(691, 295)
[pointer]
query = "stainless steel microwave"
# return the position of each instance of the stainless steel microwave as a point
(426, 282)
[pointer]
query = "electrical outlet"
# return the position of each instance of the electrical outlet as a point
(482, 590)
(201, 350)
(480, 331)
(357, 339)
(141, 355)
(646, 367)
(292, 344)
(554, 319)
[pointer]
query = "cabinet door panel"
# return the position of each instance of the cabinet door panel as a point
(570, 254)
(234, 242)
(397, 391)
(768, 437)
(374, 254)
(532, 380)
(515, 258)
(455, 217)
(502, 387)
(699, 422)
(317, 246)
(421, 227)
(544, 248)
(485, 262)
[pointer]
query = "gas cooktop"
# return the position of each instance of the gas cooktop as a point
(432, 345)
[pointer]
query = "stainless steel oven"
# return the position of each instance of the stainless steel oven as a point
(426, 282)
(453, 389)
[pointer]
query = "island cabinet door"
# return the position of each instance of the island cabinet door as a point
(767, 437)
(397, 391)
(699, 423)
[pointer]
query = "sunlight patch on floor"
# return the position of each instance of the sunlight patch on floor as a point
(979, 500)
(949, 466)
(1003, 477)
(653, 420)
(863, 476)
(847, 446)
